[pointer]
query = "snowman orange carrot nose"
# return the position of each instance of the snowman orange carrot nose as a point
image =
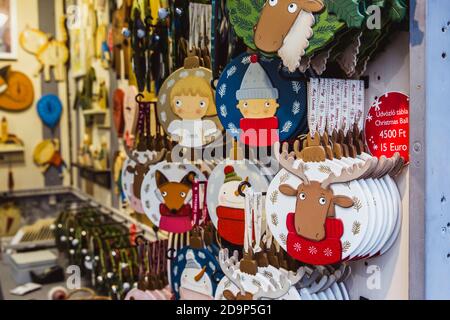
(200, 274)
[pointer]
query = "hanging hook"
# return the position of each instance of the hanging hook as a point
(139, 98)
(171, 254)
(242, 185)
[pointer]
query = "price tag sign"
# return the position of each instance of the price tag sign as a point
(387, 126)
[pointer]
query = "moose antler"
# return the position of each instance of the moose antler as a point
(150, 160)
(131, 154)
(229, 268)
(286, 161)
(393, 161)
(135, 158)
(347, 174)
(293, 277)
(279, 291)
(156, 159)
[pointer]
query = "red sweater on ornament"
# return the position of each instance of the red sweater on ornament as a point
(259, 132)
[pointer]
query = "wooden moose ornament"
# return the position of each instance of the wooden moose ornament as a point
(313, 231)
(313, 34)
(335, 209)
(134, 172)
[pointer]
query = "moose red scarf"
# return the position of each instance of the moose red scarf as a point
(327, 251)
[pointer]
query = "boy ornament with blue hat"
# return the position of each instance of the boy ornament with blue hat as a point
(258, 104)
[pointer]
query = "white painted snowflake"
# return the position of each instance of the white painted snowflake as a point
(163, 116)
(312, 250)
(180, 257)
(296, 108)
(377, 105)
(328, 252)
(201, 255)
(175, 270)
(212, 266)
(163, 99)
(231, 71)
(184, 74)
(170, 83)
(375, 147)
(245, 60)
(233, 128)
(369, 118)
(296, 86)
(287, 126)
(199, 73)
(223, 111)
(223, 90)
(297, 247)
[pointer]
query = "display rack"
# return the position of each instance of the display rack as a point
(118, 215)
(98, 116)
(100, 177)
(418, 261)
(389, 72)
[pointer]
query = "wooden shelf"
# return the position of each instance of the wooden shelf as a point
(98, 116)
(94, 112)
(100, 177)
(11, 153)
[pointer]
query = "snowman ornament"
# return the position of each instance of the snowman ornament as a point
(230, 211)
(226, 203)
(195, 282)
